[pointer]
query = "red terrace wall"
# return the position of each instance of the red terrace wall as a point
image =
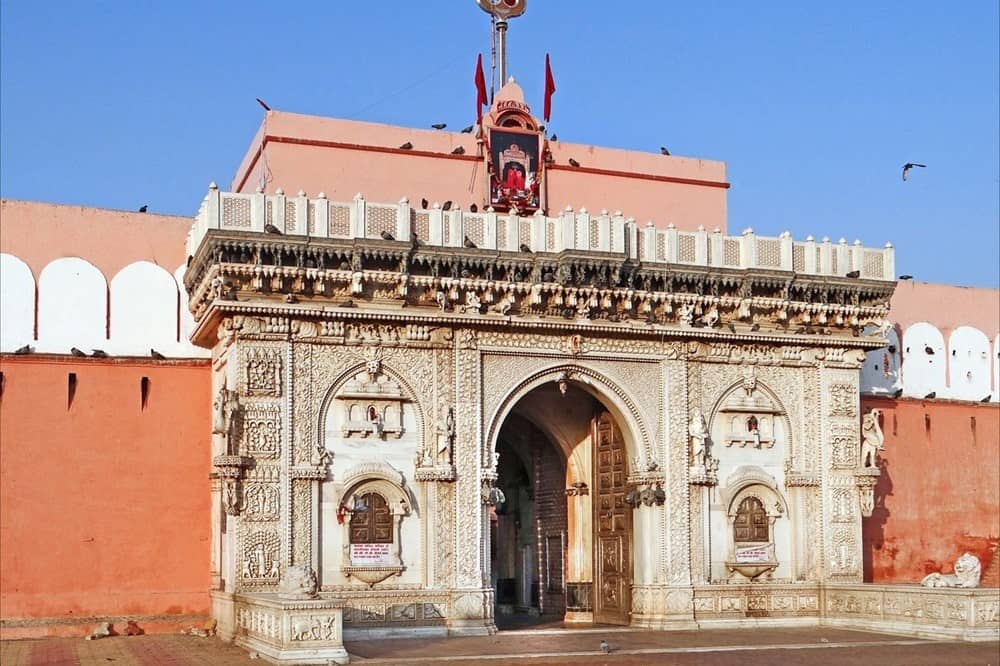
(104, 506)
(939, 492)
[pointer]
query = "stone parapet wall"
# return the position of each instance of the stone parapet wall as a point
(967, 614)
(300, 216)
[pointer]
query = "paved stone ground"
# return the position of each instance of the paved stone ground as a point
(552, 647)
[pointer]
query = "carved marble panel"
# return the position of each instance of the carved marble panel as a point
(262, 430)
(262, 371)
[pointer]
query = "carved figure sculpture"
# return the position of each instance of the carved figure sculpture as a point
(698, 430)
(872, 439)
(445, 436)
(222, 410)
(686, 315)
(472, 302)
(502, 307)
(967, 572)
(299, 582)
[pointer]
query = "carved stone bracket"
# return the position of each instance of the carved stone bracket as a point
(646, 494)
(578, 489)
(801, 478)
(705, 475)
(311, 473)
(866, 479)
(491, 495)
(444, 474)
(230, 469)
(372, 575)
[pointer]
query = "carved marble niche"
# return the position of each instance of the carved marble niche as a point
(757, 537)
(371, 511)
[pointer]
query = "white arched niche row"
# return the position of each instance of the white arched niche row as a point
(17, 303)
(72, 307)
(923, 361)
(370, 427)
(969, 364)
(143, 310)
(880, 373)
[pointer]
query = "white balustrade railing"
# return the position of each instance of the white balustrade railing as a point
(299, 216)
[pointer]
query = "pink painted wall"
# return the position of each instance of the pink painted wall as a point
(104, 505)
(38, 232)
(344, 157)
(939, 492)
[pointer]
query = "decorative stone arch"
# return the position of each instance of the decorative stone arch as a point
(331, 393)
(777, 412)
(381, 479)
(634, 428)
(752, 481)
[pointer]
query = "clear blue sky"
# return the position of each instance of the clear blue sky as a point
(814, 106)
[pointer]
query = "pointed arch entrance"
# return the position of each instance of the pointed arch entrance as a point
(561, 542)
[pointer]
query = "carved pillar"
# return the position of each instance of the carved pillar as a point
(677, 564)
(473, 603)
(841, 516)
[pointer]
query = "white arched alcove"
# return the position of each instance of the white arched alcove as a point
(923, 361)
(969, 364)
(17, 303)
(996, 369)
(187, 324)
(370, 421)
(72, 307)
(143, 310)
(880, 373)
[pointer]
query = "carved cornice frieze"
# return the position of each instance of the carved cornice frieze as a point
(296, 276)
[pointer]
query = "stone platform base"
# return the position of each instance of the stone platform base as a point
(286, 631)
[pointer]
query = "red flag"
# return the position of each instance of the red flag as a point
(481, 99)
(550, 88)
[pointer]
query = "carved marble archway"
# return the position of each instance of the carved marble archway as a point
(634, 428)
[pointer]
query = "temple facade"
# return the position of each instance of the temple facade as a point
(436, 416)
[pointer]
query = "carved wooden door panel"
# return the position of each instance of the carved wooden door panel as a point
(613, 525)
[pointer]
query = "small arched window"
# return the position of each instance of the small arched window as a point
(371, 521)
(752, 523)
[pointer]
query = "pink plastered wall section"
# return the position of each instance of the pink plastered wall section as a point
(945, 306)
(342, 158)
(39, 233)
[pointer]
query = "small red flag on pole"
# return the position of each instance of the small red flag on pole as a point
(550, 88)
(481, 98)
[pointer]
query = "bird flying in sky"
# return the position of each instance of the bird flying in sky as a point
(910, 165)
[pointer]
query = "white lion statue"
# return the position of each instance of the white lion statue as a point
(967, 573)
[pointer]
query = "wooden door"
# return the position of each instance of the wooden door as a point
(612, 524)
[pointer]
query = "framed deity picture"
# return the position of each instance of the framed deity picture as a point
(515, 170)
